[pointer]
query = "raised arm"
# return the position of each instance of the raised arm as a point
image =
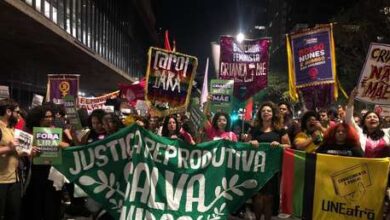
(349, 111)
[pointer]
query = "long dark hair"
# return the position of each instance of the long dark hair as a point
(378, 133)
(215, 120)
(275, 121)
(286, 120)
(99, 114)
(165, 131)
(115, 120)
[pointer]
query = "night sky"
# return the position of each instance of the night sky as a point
(196, 23)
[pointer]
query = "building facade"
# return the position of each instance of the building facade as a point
(105, 41)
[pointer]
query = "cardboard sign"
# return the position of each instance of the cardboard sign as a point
(221, 95)
(47, 140)
(374, 82)
(25, 141)
(37, 100)
(169, 80)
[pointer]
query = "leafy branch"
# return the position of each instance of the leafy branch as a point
(103, 183)
(226, 191)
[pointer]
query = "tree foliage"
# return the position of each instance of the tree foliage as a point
(356, 27)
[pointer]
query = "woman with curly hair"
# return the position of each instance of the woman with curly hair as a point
(311, 134)
(268, 129)
(341, 139)
(374, 141)
(42, 199)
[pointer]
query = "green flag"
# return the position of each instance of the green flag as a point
(136, 174)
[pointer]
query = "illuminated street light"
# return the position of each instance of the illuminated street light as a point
(240, 37)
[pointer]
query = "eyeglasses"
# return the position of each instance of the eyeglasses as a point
(49, 116)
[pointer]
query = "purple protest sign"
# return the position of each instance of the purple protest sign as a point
(61, 85)
(313, 59)
(247, 63)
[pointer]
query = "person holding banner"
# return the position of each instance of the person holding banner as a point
(286, 115)
(171, 129)
(268, 128)
(154, 124)
(341, 139)
(374, 141)
(42, 199)
(95, 124)
(112, 123)
(219, 128)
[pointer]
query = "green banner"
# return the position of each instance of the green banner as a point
(47, 141)
(221, 95)
(136, 174)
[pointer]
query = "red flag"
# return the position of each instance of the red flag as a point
(167, 45)
(133, 92)
(249, 109)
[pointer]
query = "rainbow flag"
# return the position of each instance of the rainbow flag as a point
(319, 186)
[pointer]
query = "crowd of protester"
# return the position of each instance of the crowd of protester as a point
(29, 191)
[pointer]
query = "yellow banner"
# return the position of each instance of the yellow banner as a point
(349, 188)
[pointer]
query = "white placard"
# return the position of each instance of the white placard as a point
(37, 100)
(25, 141)
(4, 92)
(374, 82)
(108, 108)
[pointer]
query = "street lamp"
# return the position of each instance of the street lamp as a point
(240, 37)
